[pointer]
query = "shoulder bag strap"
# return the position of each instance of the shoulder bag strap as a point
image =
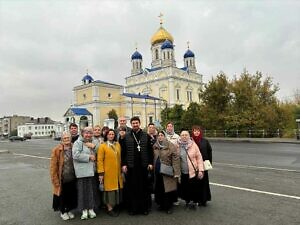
(190, 159)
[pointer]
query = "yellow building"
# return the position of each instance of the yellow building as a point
(147, 90)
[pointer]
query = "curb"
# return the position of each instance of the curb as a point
(4, 151)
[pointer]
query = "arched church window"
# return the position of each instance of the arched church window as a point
(168, 55)
(156, 54)
(177, 94)
(189, 96)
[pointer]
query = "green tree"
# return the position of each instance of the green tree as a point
(173, 115)
(289, 112)
(165, 113)
(247, 102)
(296, 112)
(254, 104)
(192, 116)
(112, 114)
(215, 98)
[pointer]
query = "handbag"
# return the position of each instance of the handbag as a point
(207, 165)
(166, 170)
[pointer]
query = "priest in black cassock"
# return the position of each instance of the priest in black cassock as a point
(137, 162)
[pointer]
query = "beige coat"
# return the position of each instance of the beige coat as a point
(169, 156)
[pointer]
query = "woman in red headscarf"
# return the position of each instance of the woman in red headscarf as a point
(206, 152)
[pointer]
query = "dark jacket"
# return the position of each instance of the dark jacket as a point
(205, 149)
(129, 149)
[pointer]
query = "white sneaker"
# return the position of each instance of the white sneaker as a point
(64, 216)
(84, 215)
(92, 214)
(71, 215)
(176, 203)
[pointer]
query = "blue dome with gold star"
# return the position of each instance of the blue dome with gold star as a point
(167, 44)
(136, 55)
(188, 54)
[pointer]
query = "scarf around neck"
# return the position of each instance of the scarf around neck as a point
(197, 139)
(185, 144)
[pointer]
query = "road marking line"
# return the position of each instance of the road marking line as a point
(215, 184)
(256, 191)
(4, 151)
(32, 156)
(256, 167)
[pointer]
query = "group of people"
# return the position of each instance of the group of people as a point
(124, 168)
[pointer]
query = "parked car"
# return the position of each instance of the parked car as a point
(27, 136)
(16, 138)
(57, 138)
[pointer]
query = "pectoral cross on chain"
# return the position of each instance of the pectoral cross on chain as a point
(137, 142)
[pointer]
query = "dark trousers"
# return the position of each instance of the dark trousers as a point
(163, 199)
(188, 188)
(67, 199)
(137, 190)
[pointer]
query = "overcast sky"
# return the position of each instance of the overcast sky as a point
(47, 46)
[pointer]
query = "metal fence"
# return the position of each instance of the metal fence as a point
(254, 133)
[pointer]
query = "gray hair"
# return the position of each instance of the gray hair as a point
(86, 129)
(65, 133)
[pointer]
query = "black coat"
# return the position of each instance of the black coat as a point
(206, 152)
(205, 149)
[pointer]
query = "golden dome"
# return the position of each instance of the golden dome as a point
(161, 35)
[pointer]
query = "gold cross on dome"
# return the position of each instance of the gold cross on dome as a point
(188, 44)
(160, 18)
(87, 71)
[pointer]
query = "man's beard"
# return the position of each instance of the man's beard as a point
(135, 129)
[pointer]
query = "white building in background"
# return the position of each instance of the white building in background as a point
(10, 123)
(41, 130)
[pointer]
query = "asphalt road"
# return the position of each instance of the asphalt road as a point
(251, 183)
